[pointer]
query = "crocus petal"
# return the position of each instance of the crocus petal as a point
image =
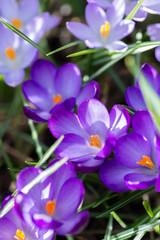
(140, 14)
(9, 9)
(152, 7)
(134, 98)
(45, 221)
(112, 174)
(153, 31)
(157, 185)
(68, 80)
(75, 148)
(120, 120)
(131, 148)
(80, 30)
(135, 181)
(95, 17)
(117, 46)
(4, 233)
(101, 3)
(88, 166)
(14, 78)
(43, 72)
(64, 122)
(124, 28)
(59, 177)
(116, 12)
(37, 95)
(143, 124)
(66, 105)
(26, 12)
(74, 224)
(157, 53)
(92, 111)
(157, 150)
(90, 90)
(36, 115)
(69, 199)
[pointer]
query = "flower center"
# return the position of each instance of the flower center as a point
(104, 30)
(17, 23)
(10, 53)
(50, 207)
(95, 141)
(19, 235)
(57, 98)
(146, 161)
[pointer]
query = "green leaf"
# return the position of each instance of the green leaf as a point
(124, 201)
(64, 47)
(109, 228)
(133, 12)
(84, 52)
(146, 46)
(22, 35)
(35, 181)
(147, 208)
(49, 152)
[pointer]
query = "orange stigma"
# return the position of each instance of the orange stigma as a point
(10, 53)
(146, 161)
(104, 30)
(17, 23)
(57, 99)
(19, 235)
(50, 207)
(95, 141)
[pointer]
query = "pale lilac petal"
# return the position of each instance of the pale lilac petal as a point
(64, 122)
(153, 31)
(75, 148)
(94, 43)
(43, 72)
(80, 30)
(131, 148)
(69, 199)
(90, 90)
(152, 7)
(92, 111)
(14, 78)
(26, 12)
(120, 120)
(157, 53)
(68, 80)
(4, 233)
(135, 181)
(74, 224)
(112, 175)
(140, 14)
(37, 95)
(134, 98)
(8, 9)
(116, 12)
(117, 46)
(124, 28)
(35, 114)
(101, 3)
(95, 17)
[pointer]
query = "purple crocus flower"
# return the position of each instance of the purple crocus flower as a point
(154, 32)
(134, 96)
(136, 164)
(51, 89)
(104, 30)
(52, 203)
(13, 227)
(147, 6)
(90, 136)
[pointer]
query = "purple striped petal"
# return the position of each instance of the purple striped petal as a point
(36, 115)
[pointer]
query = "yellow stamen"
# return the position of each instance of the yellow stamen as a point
(95, 141)
(104, 30)
(146, 161)
(57, 99)
(19, 235)
(50, 207)
(17, 23)
(10, 53)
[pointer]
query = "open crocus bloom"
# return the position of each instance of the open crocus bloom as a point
(137, 160)
(52, 203)
(13, 227)
(51, 89)
(90, 136)
(134, 96)
(104, 30)
(15, 55)
(152, 7)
